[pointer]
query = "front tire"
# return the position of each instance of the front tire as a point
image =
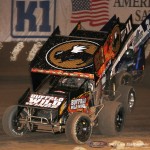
(12, 125)
(78, 128)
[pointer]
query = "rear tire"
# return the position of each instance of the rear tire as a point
(11, 124)
(78, 128)
(127, 98)
(111, 118)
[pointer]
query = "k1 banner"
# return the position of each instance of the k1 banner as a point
(23, 19)
(35, 20)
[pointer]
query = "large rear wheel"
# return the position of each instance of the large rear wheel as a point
(127, 97)
(111, 118)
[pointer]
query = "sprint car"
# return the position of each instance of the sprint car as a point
(123, 53)
(71, 86)
(130, 63)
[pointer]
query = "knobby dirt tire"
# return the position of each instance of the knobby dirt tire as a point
(9, 122)
(127, 97)
(107, 118)
(78, 128)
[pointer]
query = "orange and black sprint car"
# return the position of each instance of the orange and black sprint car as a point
(72, 89)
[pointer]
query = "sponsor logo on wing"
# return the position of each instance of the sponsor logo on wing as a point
(77, 52)
(72, 55)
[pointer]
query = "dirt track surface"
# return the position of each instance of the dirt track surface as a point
(137, 124)
(12, 86)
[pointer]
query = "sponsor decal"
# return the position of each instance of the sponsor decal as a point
(107, 52)
(44, 101)
(78, 103)
(138, 36)
(127, 30)
(115, 39)
(142, 33)
(71, 55)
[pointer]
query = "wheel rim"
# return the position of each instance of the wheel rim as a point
(131, 100)
(119, 120)
(18, 127)
(83, 129)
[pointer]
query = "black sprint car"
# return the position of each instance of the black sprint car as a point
(72, 84)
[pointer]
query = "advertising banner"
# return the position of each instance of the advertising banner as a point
(35, 20)
(23, 19)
